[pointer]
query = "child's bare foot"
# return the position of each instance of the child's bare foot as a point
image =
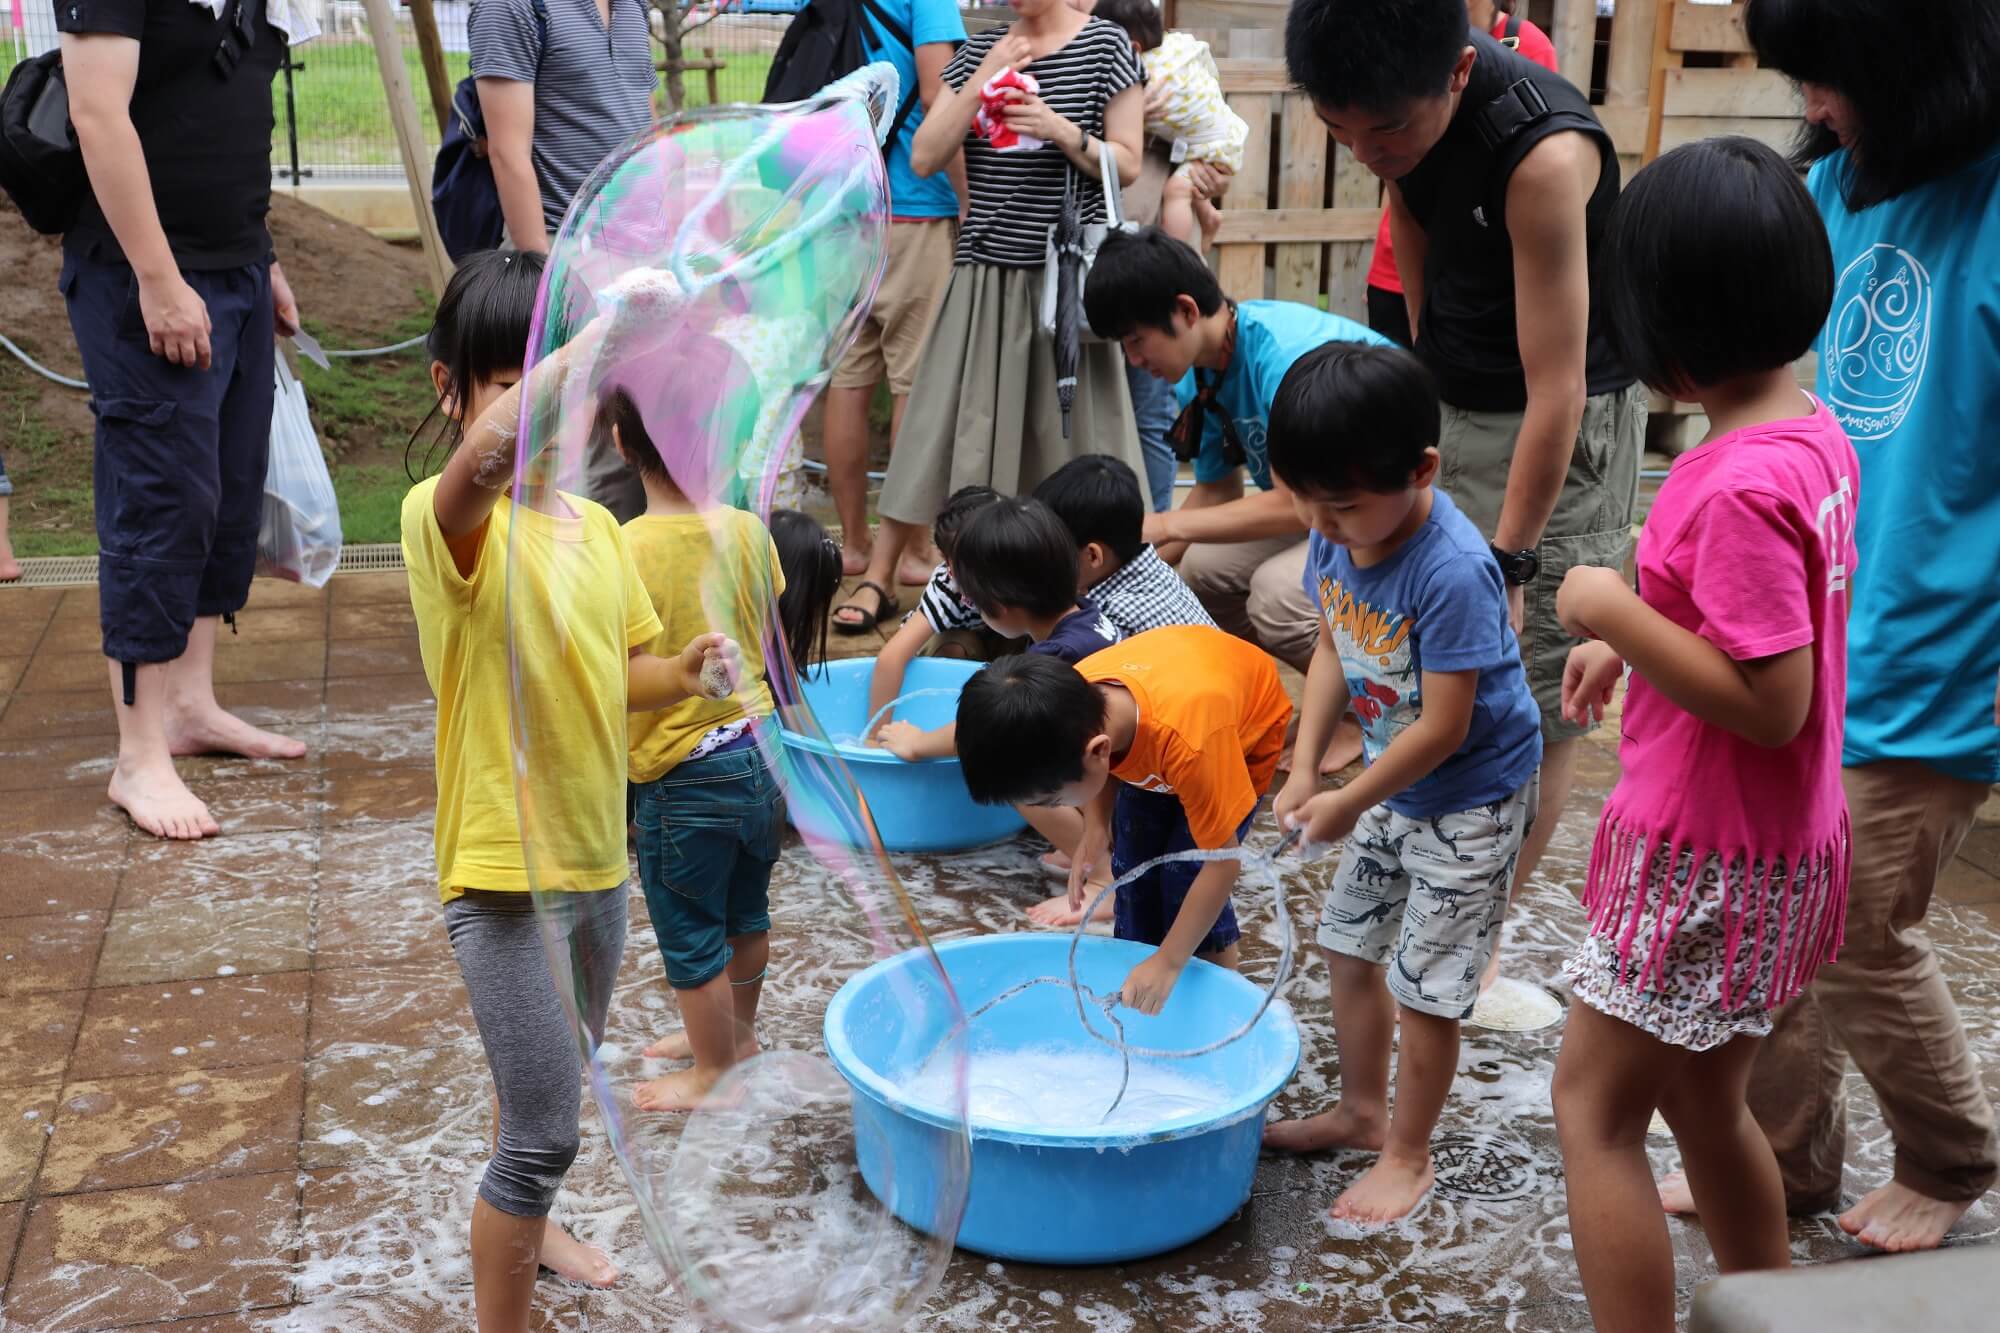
(1344, 1126)
(1898, 1219)
(217, 731)
(1387, 1190)
(1056, 911)
(566, 1256)
(1056, 863)
(1676, 1199)
(675, 1046)
(1343, 750)
(159, 802)
(1209, 219)
(682, 1090)
(10, 568)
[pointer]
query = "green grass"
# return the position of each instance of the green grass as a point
(371, 503)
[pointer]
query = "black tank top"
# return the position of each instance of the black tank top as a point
(1458, 193)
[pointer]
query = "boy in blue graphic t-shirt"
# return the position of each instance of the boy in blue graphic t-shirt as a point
(1413, 630)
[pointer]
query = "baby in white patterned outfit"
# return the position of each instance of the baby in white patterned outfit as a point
(1184, 107)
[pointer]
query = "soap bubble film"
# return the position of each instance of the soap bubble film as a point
(713, 271)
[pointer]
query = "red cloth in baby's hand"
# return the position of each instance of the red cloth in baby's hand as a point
(989, 120)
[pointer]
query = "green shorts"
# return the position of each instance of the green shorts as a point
(1591, 525)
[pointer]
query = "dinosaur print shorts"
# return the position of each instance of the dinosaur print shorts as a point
(1424, 898)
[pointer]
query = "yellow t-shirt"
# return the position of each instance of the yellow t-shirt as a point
(578, 609)
(705, 572)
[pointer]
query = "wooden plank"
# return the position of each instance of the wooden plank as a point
(1628, 73)
(1574, 36)
(1664, 57)
(1239, 266)
(1731, 92)
(403, 118)
(1707, 28)
(1254, 74)
(1302, 186)
(1626, 125)
(1243, 227)
(1354, 187)
(1677, 130)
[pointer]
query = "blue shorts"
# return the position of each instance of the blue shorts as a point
(180, 454)
(709, 833)
(1146, 824)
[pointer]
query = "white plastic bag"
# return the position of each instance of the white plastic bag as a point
(300, 540)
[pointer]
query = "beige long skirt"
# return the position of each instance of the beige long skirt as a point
(983, 409)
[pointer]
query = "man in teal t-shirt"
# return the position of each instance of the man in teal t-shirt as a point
(918, 38)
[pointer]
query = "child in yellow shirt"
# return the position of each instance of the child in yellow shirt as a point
(575, 681)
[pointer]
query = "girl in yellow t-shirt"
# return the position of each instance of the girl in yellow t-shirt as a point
(575, 687)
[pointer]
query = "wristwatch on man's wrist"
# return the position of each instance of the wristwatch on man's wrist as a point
(1518, 568)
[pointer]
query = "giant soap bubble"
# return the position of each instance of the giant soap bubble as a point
(714, 270)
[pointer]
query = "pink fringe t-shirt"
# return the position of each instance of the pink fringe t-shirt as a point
(1750, 545)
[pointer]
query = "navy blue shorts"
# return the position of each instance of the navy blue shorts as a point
(1146, 824)
(180, 454)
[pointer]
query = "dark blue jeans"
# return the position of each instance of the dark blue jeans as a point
(1146, 824)
(709, 833)
(180, 454)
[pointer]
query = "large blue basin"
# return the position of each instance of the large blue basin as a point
(921, 807)
(1048, 1193)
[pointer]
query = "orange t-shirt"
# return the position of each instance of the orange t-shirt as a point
(1212, 719)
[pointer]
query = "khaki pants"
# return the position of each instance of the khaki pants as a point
(1256, 591)
(1884, 1002)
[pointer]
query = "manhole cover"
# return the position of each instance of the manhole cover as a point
(1483, 1167)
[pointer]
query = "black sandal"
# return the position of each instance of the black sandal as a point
(869, 620)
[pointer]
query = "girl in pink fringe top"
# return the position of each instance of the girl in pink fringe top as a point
(1719, 877)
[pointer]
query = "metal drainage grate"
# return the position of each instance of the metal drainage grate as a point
(75, 571)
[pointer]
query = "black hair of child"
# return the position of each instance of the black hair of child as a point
(1714, 265)
(810, 559)
(616, 409)
(480, 332)
(961, 505)
(1097, 498)
(1016, 553)
(1023, 723)
(1352, 416)
(1919, 77)
(1137, 278)
(1140, 19)
(1374, 55)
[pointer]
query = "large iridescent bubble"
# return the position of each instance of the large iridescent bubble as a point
(715, 269)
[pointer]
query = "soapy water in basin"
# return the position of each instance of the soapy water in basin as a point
(1058, 1088)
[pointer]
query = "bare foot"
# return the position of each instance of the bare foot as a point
(675, 1046)
(159, 802)
(1676, 1199)
(912, 574)
(1056, 863)
(1343, 750)
(682, 1090)
(10, 568)
(1057, 912)
(1387, 1190)
(1342, 1127)
(853, 562)
(1898, 1219)
(566, 1256)
(218, 731)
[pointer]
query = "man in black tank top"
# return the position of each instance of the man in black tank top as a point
(1499, 178)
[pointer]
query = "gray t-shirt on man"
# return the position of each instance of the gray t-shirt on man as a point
(593, 89)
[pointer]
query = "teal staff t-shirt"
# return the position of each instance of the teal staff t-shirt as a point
(926, 21)
(1910, 367)
(1270, 335)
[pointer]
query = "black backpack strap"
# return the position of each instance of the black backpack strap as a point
(1513, 111)
(896, 33)
(1510, 35)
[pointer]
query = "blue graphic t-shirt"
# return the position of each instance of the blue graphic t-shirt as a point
(1437, 604)
(1909, 365)
(911, 195)
(1077, 635)
(1270, 335)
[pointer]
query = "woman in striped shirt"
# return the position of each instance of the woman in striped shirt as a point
(984, 409)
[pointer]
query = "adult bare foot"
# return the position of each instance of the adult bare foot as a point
(1898, 1219)
(1676, 1199)
(1343, 750)
(682, 1090)
(159, 802)
(675, 1046)
(1387, 1190)
(215, 730)
(10, 568)
(1343, 1127)
(1056, 911)
(566, 1256)
(853, 561)
(913, 572)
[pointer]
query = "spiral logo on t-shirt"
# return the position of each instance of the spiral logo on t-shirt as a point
(1877, 341)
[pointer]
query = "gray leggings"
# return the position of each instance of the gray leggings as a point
(530, 1046)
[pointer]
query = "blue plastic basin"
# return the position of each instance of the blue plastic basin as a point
(1060, 1194)
(921, 807)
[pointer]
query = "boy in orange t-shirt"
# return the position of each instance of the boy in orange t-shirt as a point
(1190, 721)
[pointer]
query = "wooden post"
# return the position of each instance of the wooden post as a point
(711, 67)
(1240, 267)
(1664, 58)
(409, 135)
(1575, 40)
(430, 51)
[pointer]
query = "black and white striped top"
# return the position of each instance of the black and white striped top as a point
(1017, 196)
(593, 84)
